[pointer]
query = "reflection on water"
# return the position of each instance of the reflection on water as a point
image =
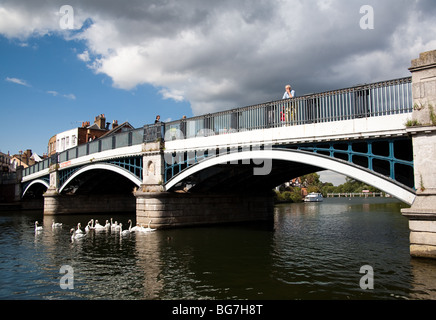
(309, 251)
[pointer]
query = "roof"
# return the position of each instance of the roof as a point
(125, 126)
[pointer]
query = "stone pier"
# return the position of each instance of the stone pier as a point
(422, 214)
(170, 210)
(57, 204)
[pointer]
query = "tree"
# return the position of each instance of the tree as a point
(311, 180)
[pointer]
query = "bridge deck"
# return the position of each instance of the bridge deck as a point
(380, 108)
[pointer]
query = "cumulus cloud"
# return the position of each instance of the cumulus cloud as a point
(84, 56)
(225, 54)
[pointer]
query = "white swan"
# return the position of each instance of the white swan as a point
(79, 230)
(37, 228)
(98, 226)
(116, 227)
(123, 232)
(136, 228)
(89, 226)
(148, 229)
(56, 225)
(75, 235)
(107, 225)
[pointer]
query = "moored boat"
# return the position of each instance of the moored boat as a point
(314, 197)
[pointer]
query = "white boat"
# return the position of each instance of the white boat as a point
(314, 197)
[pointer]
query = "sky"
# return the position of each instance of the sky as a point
(132, 60)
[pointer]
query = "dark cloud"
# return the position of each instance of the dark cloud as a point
(223, 54)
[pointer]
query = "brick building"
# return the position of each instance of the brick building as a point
(86, 133)
(5, 162)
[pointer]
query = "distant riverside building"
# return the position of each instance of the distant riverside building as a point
(84, 134)
(24, 159)
(5, 163)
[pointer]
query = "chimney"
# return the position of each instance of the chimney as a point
(100, 120)
(114, 124)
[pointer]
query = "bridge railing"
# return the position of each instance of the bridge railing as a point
(371, 100)
(37, 167)
(125, 139)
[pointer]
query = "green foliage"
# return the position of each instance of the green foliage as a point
(412, 123)
(311, 180)
(312, 183)
(432, 115)
(292, 195)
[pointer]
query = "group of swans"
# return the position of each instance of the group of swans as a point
(140, 228)
(77, 233)
(54, 225)
(95, 225)
(137, 228)
(114, 227)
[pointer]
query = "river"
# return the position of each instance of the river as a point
(310, 251)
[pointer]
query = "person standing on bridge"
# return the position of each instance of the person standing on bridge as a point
(287, 113)
(289, 93)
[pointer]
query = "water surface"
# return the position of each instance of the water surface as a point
(310, 251)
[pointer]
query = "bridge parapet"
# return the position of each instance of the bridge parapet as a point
(384, 98)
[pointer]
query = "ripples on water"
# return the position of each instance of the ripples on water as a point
(309, 251)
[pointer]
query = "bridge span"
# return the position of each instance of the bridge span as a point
(221, 167)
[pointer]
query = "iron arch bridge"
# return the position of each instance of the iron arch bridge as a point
(386, 164)
(115, 170)
(36, 187)
(359, 132)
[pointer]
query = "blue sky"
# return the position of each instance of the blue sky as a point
(134, 59)
(46, 89)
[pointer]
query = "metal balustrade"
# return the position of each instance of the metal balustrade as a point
(371, 100)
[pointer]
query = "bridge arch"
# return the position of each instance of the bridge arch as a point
(103, 166)
(379, 181)
(34, 182)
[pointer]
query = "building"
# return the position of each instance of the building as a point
(84, 134)
(24, 159)
(5, 163)
(116, 128)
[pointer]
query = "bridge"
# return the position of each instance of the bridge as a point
(221, 167)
